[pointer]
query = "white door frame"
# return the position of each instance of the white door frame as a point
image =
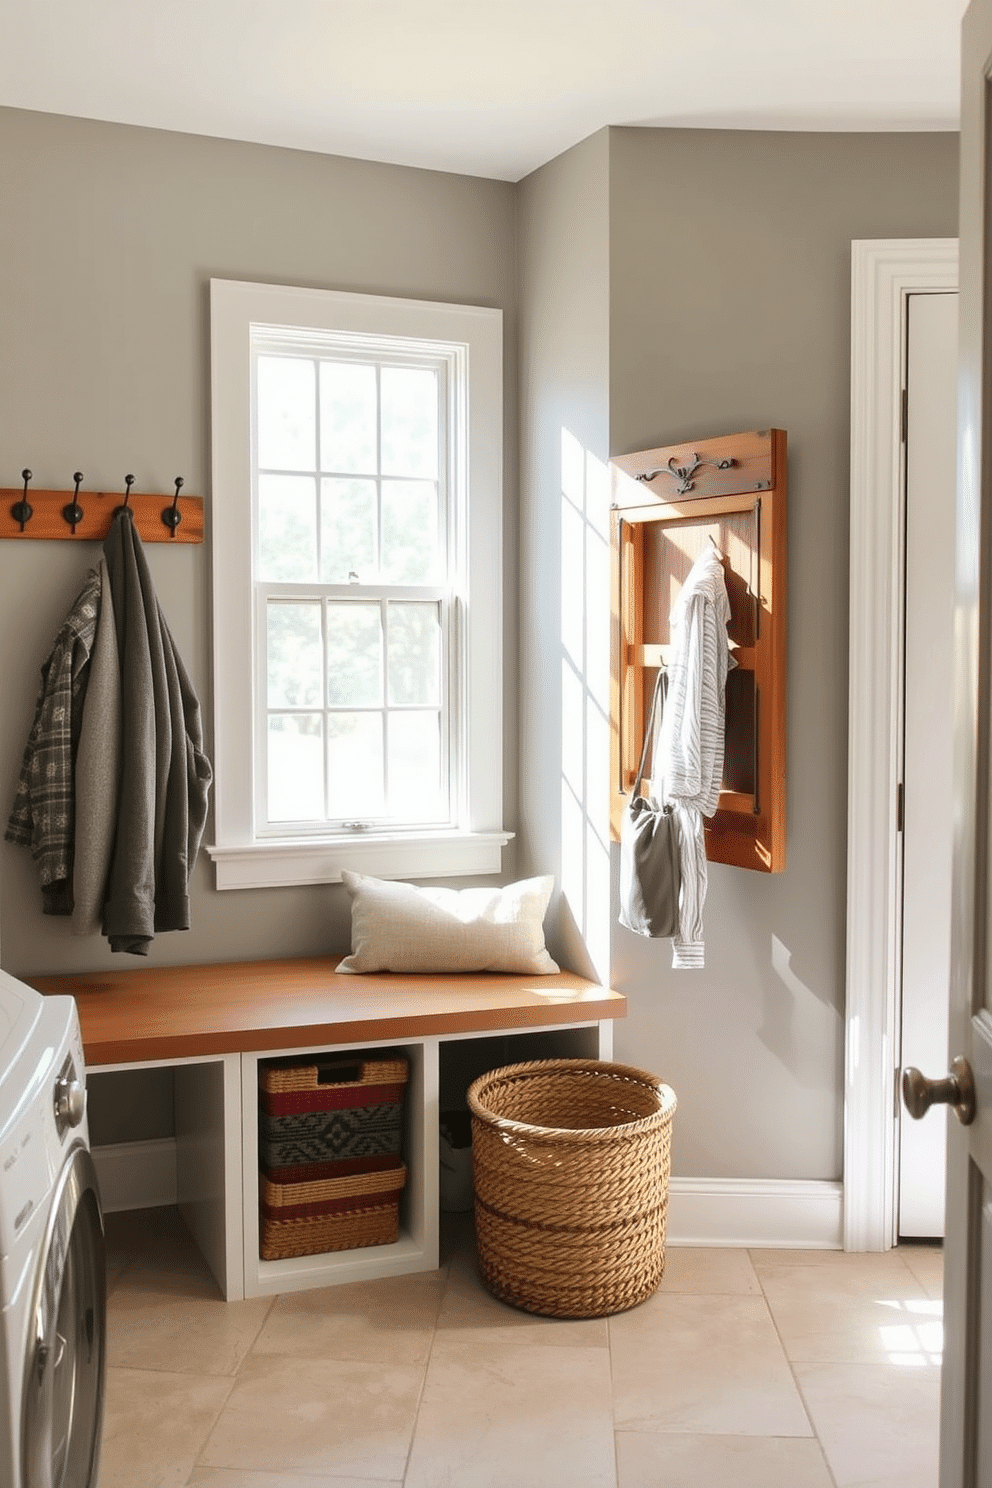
(884, 272)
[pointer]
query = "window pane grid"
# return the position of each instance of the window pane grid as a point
(388, 774)
(392, 753)
(418, 516)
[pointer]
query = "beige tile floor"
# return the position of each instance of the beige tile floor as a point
(747, 1369)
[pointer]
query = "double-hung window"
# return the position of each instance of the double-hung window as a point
(357, 573)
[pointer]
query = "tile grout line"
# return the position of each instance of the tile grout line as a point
(795, 1378)
(213, 1427)
(613, 1402)
(427, 1364)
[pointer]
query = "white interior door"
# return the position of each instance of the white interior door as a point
(931, 438)
(966, 1393)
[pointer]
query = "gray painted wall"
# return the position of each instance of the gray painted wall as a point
(672, 284)
(105, 368)
(730, 310)
(564, 399)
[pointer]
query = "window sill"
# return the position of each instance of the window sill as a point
(267, 865)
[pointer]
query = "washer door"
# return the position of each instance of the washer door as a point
(64, 1383)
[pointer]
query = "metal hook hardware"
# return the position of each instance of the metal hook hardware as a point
(128, 483)
(684, 473)
(172, 516)
(21, 511)
(74, 513)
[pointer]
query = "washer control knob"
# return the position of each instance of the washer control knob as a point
(70, 1103)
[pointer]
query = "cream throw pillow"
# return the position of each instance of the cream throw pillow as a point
(398, 927)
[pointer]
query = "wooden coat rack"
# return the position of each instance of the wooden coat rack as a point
(667, 505)
(86, 516)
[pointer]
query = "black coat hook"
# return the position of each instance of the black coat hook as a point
(74, 513)
(21, 511)
(128, 483)
(172, 516)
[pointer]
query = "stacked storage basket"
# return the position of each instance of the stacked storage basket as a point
(330, 1144)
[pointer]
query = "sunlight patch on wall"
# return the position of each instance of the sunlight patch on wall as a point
(573, 618)
(585, 692)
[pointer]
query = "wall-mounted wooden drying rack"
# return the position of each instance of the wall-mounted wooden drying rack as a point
(86, 516)
(667, 505)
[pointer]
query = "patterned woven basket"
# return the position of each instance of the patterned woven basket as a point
(571, 1163)
(332, 1110)
(339, 1213)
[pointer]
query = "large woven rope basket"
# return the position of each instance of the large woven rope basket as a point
(571, 1160)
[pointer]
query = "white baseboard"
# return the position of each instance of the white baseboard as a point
(773, 1213)
(136, 1175)
(777, 1213)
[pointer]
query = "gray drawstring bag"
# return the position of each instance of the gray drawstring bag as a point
(650, 871)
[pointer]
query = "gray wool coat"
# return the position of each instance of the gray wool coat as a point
(164, 775)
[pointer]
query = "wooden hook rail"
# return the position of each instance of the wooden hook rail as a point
(48, 521)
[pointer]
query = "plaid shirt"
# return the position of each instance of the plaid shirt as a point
(43, 813)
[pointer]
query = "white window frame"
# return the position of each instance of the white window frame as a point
(243, 855)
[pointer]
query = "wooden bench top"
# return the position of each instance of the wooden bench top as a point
(186, 1012)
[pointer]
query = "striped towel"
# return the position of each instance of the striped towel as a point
(692, 735)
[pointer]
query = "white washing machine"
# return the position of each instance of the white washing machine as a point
(53, 1283)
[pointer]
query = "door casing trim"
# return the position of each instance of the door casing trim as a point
(884, 272)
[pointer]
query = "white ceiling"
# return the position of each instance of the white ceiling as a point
(485, 87)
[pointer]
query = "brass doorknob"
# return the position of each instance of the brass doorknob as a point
(956, 1090)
